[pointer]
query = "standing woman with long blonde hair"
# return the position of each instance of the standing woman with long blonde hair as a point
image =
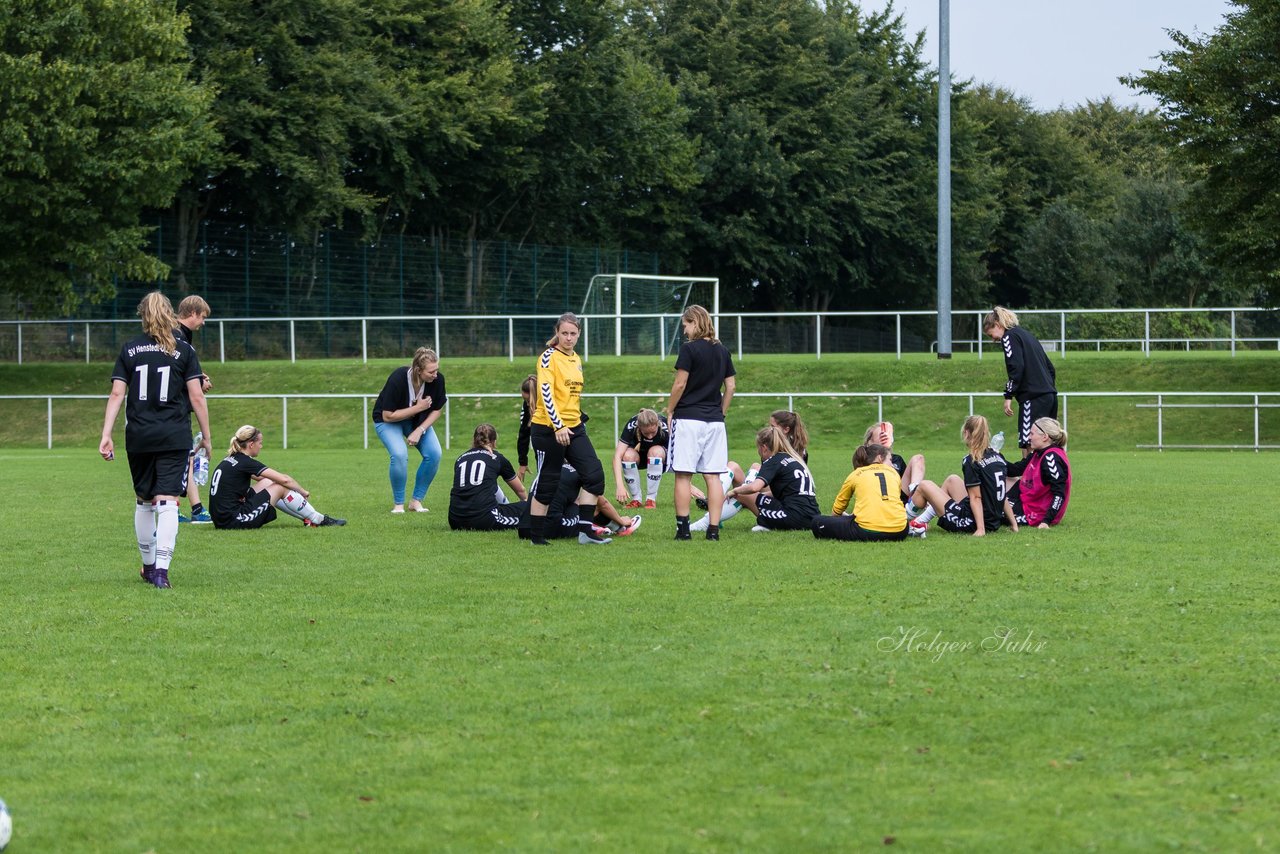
(559, 435)
(403, 415)
(155, 378)
(1032, 377)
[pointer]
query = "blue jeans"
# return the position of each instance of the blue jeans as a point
(392, 434)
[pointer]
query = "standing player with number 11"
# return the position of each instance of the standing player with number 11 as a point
(154, 377)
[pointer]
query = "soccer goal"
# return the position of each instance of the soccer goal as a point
(646, 309)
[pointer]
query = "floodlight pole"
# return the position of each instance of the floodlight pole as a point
(944, 179)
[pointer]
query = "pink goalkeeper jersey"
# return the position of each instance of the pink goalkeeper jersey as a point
(1038, 501)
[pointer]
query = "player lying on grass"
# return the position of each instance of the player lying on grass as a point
(969, 503)
(244, 493)
(875, 491)
(791, 504)
(473, 501)
(563, 512)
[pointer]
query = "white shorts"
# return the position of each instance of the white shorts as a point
(698, 446)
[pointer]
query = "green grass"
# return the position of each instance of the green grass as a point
(395, 686)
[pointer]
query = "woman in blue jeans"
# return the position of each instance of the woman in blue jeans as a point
(409, 404)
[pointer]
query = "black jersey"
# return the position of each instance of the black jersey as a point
(790, 483)
(475, 481)
(232, 480)
(709, 365)
(522, 438)
(156, 404)
(988, 474)
(1030, 372)
(898, 463)
(631, 437)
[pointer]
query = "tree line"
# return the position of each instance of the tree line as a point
(786, 146)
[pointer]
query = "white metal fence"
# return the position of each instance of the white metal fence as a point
(1165, 401)
(1062, 331)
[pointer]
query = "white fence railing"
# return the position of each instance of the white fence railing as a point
(1257, 401)
(237, 338)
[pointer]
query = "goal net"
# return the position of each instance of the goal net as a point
(644, 311)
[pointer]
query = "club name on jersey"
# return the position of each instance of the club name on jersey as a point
(150, 348)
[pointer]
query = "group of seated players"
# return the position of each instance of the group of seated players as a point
(884, 498)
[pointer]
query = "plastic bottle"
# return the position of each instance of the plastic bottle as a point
(997, 441)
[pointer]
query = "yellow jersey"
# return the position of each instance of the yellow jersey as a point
(558, 401)
(876, 491)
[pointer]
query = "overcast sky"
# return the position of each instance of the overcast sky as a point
(1063, 52)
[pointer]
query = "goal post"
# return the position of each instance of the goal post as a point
(656, 298)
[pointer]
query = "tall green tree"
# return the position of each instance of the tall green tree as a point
(613, 161)
(351, 112)
(1035, 161)
(1220, 98)
(810, 120)
(99, 120)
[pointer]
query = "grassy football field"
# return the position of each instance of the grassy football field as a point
(395, 686)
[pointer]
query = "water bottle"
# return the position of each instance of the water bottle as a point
(202, 467)
(997, 441)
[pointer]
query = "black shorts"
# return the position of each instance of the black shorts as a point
(958, 518)
(158, 473)
(1032, 410)
(1014, 497)
(255, 511)
(503, 517)
(847, 528)
(774, 515)
(551, 455)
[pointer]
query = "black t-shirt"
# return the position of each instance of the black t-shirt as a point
(988, 474)
(790, 483)
(156, 404)
(395, 395)
(631, 436)
(475, 481)
(232, 480)
(709, 365)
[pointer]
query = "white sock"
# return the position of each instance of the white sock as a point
(295, 505)
(631, 477)
(926, 514)
(701, 524)
(144, 525)
(726, 480)
(911, 488)
(729, 510)
(166, 532)
(655, 478)
(912, 510)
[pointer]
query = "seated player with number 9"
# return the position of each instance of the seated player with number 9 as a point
(244, 493)
(792, 505)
